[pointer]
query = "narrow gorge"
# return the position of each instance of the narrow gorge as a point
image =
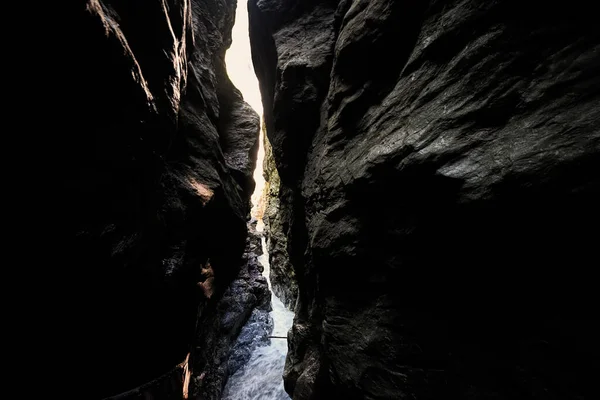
(427, 227)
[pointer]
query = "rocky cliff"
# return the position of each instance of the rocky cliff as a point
(150, 151)
(230, 327)
(439, 167)
(282, 275)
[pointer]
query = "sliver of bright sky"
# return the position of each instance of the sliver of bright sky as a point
(241, 72)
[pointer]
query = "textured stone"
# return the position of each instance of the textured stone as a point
(254, 334)
(147, 151)
(246, 301)
(282, 276)
(439, 166)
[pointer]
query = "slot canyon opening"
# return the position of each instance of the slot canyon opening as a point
(238, 60)
(262, 376)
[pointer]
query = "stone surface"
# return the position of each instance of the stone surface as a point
(144, 175)
(282, 275)
(440, 180)
(246, 301)
(254, 334)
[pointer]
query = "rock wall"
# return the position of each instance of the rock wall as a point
(149, 150)
(282, 275)
(218, 354)
(439, 181)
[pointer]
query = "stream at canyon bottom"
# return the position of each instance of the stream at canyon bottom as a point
(261, 377)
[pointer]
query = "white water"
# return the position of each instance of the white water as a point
(261, 378)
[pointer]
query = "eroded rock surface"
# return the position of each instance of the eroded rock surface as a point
(282, 275)
(439, 166)
(245, 304)
(149, 151)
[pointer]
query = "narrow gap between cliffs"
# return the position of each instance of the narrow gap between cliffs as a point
(261, 377)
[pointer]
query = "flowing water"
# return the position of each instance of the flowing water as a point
(261, 378)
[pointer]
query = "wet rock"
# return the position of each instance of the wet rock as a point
(282, 275)
(439, 166)
(230, 325)
(255, 333)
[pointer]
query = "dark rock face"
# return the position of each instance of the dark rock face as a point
(245, 303)
(282, 275)
(440, 182)
(255, 333)
(169, 386)
(149, 151)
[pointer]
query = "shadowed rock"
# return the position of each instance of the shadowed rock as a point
(439, 166)
(282, 275)
(148, 150)
(246, 302)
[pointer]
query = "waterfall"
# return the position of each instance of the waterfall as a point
(261, 377)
